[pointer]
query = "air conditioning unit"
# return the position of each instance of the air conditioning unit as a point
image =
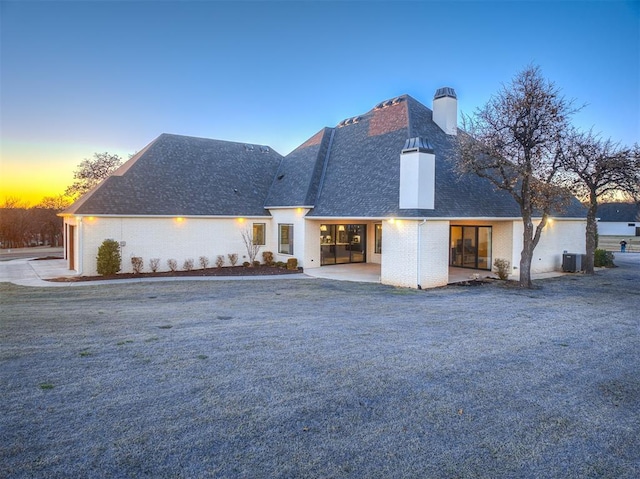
(572, 262)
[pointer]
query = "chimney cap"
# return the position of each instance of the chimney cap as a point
(443, 92)
(417, 143)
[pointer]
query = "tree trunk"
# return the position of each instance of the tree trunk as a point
(590, 234)
(527, 252)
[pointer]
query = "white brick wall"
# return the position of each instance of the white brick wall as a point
(400, 265)
(557, 237)
(295, 217)
(399, 253)
(434, 254)
(168, 238)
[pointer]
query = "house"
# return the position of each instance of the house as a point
(380, 187)
(619, 219)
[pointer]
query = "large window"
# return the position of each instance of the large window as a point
(258, 233)
(378, 247)
(285, 239)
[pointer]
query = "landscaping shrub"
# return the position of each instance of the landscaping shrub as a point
(233, 258)
(503, 268)
(109, 258)
(188, 264)
(256, 263)
(246, 264)
(292, 263)
(204, 262)
(220, 261)
(603, 258)
(172, 264)
(154, 263)
(267, 258)
(137, 264)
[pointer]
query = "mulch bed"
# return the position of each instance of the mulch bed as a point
(225, 271)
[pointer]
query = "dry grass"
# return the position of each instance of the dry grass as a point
(322, 379)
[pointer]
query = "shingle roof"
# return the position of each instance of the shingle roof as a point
(363, 170)
(180, 175)
(352, 170)
(296, 182)
(619, 212)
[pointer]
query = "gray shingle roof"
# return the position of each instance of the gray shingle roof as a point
(180, 175)
(297, 179)
(619, 212)
(352, 170)
(363, 170)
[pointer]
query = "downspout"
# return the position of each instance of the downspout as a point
(419, 255)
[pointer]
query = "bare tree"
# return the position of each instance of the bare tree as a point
(250, 245)
(92, 171)
(513, 141)
(57, 203)
(598, 169)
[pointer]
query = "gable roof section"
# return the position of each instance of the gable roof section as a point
(358, 179)
(182, 176)
(297, 179)
(619, 212)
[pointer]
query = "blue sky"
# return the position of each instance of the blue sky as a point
(84, 77)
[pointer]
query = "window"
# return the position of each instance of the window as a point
(285, 239)
(378, 248)
(258, 233)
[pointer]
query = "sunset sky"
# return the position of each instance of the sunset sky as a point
(92, 76)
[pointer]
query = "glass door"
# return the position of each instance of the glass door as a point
(341, 244)
(470, 247)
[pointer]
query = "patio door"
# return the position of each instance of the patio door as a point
(340, 244)
(470, 247)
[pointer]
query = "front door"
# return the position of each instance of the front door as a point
(340, 244)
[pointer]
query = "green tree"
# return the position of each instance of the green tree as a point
(109, 258)
(513, 141)
(91, 172)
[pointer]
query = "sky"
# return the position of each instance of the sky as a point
(80, 77)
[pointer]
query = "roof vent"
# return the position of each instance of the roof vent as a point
(388, 103)
(397, 100)
(349, 121)
(379, 106)
(248, 147)
(264, 149)
(280, 176)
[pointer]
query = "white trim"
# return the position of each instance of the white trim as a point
(288, 207)
(438, 218)
(166, 216)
